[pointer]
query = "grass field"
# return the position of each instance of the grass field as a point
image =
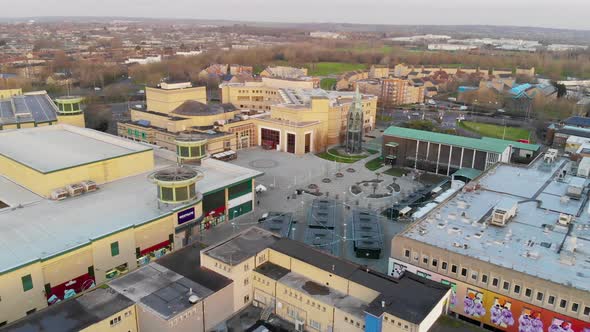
(396, 171)
(328, 83)
(330, 68)
(334, 155)
(374, 164)
(497, 131)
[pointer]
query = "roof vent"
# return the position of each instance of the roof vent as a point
(564, 219)
(193, 299)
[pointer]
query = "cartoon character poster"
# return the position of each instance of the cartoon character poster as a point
(558, 325)
(473, 303)
(500, 313)
(530, 321)
(398, 270)
(453, 291)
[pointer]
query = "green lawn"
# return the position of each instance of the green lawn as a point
(328, 83)
(374, 164)
(396, 171)
(497, 131)
(330, 68)
(334, 155)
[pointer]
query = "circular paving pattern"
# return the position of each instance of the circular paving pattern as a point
(339, 175)
(326, 180)
(263, 163)
(350, 170)
(312, 186)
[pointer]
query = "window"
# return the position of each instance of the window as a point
(539, 296)
(434, 262)
(246, 282)
(517, 289)
(115, 248)
(464, 272)
(444, 265)
(246, 298)
(551, 299)
(416, 256)
(528, 292)
(484, 278)
(562, 303)
(315, 325)
(495, 282)
(474, 275)
(454, 268)
(506, 285)
(575, 307)
(27, 282)
(586, 311)
(425, 260)
(115, 320)
(246, 267)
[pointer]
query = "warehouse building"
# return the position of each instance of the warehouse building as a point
(512, 244)
(446, 154)
(79, 207)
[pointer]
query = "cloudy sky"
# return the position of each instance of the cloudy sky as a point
(543, 13)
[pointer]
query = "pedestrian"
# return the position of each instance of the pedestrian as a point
(288, 197)
(258, 202)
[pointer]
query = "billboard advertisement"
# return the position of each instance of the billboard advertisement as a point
(496, 310)
(187, 215)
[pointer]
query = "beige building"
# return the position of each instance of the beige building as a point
(379, 72)
(8, 93)
(166, 97)
(346, 81)
(318, 292)
(284, 72)
(503, 245)
(395, 92)
(101, 217)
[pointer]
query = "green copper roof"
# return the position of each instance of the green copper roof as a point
(487, 144)
(470, 173)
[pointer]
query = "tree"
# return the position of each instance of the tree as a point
(561, 89)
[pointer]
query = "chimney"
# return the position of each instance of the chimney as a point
(382, 304)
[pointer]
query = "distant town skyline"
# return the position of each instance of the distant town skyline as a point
(570, 14)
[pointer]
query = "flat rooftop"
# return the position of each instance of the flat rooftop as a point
(302, 97)
(160, 290)
(34, 228)
(531, 240)
(241, 247)
(325, 294)
(74, 314)
(410, 297)
(52, 148)
(34, 107)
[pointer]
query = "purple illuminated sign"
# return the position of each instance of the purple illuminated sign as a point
(186, 215)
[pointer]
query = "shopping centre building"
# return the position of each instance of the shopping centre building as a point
(283, 114)
(79, 207)
(513, 245)
(196, 289)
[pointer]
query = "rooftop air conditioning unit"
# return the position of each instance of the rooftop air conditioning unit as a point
(89, 185)
(503, 212)
(75, 189)
(564, 219)
(59, 194)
